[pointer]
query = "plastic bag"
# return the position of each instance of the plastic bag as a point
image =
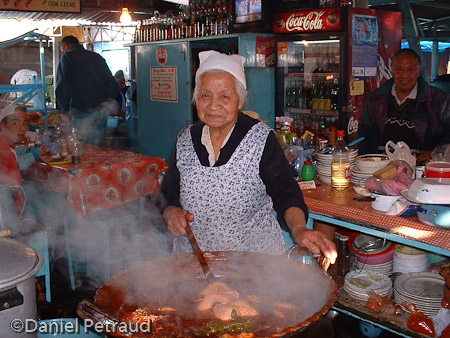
(420, 322)
(441, 153)
(401, 207)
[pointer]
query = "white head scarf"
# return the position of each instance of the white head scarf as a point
(8, 110)
(233, 64)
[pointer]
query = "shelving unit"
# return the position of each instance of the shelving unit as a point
(339, 209)
(33, 90)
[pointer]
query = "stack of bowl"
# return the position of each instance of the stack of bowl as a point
(373, 254)
(408, 259)
(324, 159)
(366, 165)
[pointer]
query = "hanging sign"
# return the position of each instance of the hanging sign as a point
(67, 6)
(307, 21)
(163, 84)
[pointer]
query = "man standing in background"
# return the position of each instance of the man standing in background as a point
(85, 90)
(406, 108)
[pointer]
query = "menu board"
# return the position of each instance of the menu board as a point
(164, 84)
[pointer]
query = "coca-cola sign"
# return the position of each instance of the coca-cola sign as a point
(307, 21)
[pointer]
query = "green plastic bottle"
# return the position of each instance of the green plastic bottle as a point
(308, 172)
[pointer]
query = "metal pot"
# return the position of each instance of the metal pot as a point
(434, 214)
(280, 277)
(19, 265)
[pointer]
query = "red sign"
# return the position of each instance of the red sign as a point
(308, 21)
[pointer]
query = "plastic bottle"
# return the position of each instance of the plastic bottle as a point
(76, 147)
(333, 135)
(340, 165)
(335, 94)
(343, 259)
(308, 172)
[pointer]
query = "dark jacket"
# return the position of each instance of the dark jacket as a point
(432, 117)
(83, 80)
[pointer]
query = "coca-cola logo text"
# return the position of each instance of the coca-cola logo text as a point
(311, 21)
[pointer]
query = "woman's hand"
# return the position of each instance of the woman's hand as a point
(44, 149)
(316, 242)
(177, 220)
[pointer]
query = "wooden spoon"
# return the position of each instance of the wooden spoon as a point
(199, 253)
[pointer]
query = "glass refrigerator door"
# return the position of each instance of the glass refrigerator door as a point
(309, 72)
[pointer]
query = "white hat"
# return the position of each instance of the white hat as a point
(233, 64)
(8, 110)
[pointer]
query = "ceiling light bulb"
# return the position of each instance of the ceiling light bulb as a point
(125, 17)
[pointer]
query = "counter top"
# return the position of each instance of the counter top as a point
(340, 206)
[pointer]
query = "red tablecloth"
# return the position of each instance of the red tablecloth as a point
(105, 178)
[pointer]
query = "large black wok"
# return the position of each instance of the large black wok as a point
(176, 281)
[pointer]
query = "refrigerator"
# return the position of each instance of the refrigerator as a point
(328, 62)
(165, 74)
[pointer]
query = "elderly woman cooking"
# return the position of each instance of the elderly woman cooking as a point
(229, 173)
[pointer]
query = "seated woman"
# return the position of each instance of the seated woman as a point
(229, 173)
(13, 126)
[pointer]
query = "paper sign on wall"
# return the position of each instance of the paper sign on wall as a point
(356, 87)
(164, 84)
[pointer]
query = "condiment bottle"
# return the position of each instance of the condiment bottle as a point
(340, 165)
(343, 259)
(333, 136)
(308, 172)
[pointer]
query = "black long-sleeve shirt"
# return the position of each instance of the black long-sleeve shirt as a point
(274, 169)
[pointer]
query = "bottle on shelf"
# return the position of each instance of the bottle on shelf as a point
(335, 94)
(343, 259)
(340, 164)
(294, 94)
(327, 102)
(288, 99)
(299, 96)
(315, 100)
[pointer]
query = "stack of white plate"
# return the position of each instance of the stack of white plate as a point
(423, 289)
(384, 268)
(358, 283)
(407, 259)
(359, 177)
(323, 161)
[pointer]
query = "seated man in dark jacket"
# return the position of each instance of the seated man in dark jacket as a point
(86, 89)
(406, 108)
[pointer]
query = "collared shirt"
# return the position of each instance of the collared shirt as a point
(412, 95)
(206, 141)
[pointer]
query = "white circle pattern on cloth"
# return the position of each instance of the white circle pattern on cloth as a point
(230, 204)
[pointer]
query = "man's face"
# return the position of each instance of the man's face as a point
(16, 126)
(406, 71)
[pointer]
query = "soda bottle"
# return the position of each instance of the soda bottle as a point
(340, 164)
(335, 94)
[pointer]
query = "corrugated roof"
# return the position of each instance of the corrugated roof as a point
(98, 11)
